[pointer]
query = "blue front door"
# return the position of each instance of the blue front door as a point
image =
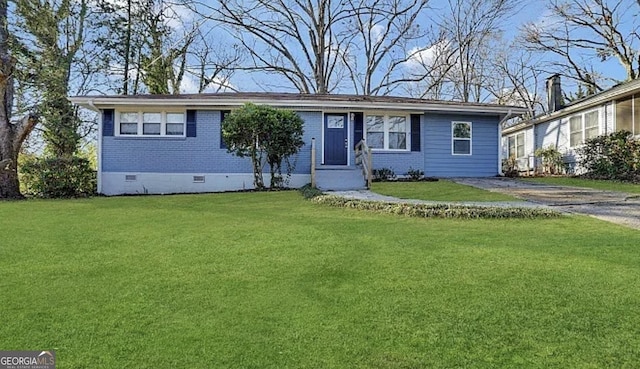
(335, 139)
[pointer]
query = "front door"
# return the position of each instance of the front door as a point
(335, 139)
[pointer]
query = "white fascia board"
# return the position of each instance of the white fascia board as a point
(587, 103)
(110, 102)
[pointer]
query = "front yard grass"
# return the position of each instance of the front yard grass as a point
(442, 190)
(588, 183)
(270, 280)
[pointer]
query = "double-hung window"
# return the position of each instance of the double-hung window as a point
(128, 123)
(175, 124)
(591, 126)
(151, 123)
(583, 127)
(387, 132)
(461, 137)
(516, 146)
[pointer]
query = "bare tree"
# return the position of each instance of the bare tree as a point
(381, 33)
(326, 45)
(12, 135)
(428, 70)
(516, 79)
(472, 28)
(580, 31)
(214, 64)
(295, 39)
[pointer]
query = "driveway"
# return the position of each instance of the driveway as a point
(615, 207)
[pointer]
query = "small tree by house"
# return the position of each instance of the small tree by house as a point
(266, 135)
(551, 159)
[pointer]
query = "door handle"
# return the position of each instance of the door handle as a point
(346, 143)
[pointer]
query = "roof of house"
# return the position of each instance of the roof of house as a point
(614, 93)
(294, 100)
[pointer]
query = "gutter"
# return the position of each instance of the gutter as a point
(229, 102)
(508, 116)
(91, 106)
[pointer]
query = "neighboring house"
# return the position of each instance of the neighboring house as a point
(173, 144)
(567, 127)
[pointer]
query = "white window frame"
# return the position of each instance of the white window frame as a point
(140, 127)
(453, 138)
(517, 142)
(634, 117)
(385, 116)
(583, 127)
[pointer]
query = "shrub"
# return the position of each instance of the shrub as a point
(415, 174)
(437, 210)
(615, 156)
(510, 167)
(309, 192)
(58, 177)
(552, 162)
(383, 174)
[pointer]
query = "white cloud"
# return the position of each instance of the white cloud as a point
(424, 57)
(190, 85)
(377, 33)
(178, 16)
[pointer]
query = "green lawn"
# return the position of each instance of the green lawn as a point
(269, 280)
(442, 190)
(589, 183)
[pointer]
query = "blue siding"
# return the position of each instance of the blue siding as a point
(201, 154)
(400, 162)
(438, 159)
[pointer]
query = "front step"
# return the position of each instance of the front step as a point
(340, 178)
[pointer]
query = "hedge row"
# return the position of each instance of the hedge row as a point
(437, 210)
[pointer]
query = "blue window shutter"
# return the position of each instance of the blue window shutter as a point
(107, 122)
(223, 114)
(358, 129)
(415, 132)
(191, 123)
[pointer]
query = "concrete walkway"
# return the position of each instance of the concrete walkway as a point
(372, 196)
(615, 207)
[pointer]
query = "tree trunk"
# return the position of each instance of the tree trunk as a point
(9, 185)
(11, 135)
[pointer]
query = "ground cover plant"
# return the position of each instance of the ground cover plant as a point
(271, 280)
(442, 190)
(606, 185)
(438, 210)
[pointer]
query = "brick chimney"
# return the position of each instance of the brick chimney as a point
(554, 94)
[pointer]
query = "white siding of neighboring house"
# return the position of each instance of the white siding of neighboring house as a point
(556, 132)
(553, 133)
(529, 148)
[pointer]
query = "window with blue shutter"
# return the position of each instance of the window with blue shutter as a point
(191, 123)
(358, 129)
(415, 132)
(223, 115)
(107, 122)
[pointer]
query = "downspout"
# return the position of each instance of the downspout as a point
(99, 147)
(506, 117)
